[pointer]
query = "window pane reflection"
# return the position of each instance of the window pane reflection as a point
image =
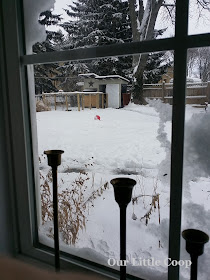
(196, 180)
(92, 117)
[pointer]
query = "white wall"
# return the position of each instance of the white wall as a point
(113, 91)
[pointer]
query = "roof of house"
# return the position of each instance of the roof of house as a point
(95, 76)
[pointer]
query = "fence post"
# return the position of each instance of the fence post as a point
(66, 102)
(55, 100)
(102, 101)
(163, 91)
(78, 101)
(97, 100)
(44, 100)
(107, 100)
(90, 101)
(83, 101)
(208, 91)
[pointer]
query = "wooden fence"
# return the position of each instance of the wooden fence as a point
(74, 99)
(197, 93)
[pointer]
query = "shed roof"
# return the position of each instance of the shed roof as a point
(95, 76)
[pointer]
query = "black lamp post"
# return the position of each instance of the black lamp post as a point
(195, 240)
(123, 191)
(54, 159)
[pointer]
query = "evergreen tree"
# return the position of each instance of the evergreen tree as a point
(70, 71)
(46, 74)
(156, 66)
(97, 23)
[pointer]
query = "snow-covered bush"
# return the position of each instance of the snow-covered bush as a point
(41, 106)
(197, 152)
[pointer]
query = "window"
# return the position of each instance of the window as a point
(122, 143)
(198, 13)
(24, 167)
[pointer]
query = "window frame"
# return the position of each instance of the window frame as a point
(18, 105)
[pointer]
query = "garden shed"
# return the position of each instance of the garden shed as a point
(114, 86)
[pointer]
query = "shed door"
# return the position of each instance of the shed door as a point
(113, 91)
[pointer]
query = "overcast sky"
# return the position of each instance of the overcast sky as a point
(195, 26)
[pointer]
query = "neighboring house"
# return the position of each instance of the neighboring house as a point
(167, 76)
(114, 86)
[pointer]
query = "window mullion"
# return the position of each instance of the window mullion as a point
(100, 52)
(178, 120)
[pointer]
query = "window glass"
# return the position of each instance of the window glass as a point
(196, 182)
(199, 17)
(76, 24)
(92, 117)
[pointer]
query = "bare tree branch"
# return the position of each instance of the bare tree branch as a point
(141, 11)
(133, 17)
(205, 4)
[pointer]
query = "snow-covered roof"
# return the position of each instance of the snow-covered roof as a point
(95, 76)
(88, 75)
(80, 83)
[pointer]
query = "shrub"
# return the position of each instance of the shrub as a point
(41, 106)
(73, 207)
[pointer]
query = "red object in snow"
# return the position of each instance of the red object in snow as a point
(97, 117)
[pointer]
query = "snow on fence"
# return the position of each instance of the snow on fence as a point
(74, 99)
(197, 93)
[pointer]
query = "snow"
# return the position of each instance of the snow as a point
(130, 142)
(95, 134)
(196, 96)
(197, 152)
(93, 75)
(34, 31)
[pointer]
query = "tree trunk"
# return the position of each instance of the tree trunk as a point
(134, 27)
(142, 29)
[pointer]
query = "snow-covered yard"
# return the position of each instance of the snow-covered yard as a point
(132, 142)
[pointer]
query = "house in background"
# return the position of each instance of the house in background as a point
(167, 76)
(114, 86)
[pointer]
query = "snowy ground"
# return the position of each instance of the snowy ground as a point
(130, 142)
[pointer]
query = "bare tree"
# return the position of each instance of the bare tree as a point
(203, 62)
(143, 28)
(143, 25)
(203, 5)
(198, 61)
(192, 57)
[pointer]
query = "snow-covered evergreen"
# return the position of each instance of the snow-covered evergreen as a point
(157, 65)
(91, 23)
(46, 74)
(97, 23)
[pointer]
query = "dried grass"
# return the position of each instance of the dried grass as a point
(42, 106)
(155, 204)
(73, 207)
